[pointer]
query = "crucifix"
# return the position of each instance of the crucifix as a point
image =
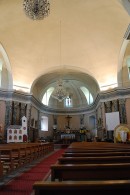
(68, 121)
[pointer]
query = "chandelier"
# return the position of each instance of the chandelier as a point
(36, 9)
(59, 92)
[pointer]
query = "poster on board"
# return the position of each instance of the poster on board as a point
(112, 120)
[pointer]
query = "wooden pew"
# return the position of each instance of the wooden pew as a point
(95, 160)
(6, 160)
(97, 149)
(27, 152)
(17, 155)
(84, 146)
(90, 171)
(1, 170)
(96, 172)
(92, 154)
(98, 145)
(48, 147)
(112, 187)
(88, 150)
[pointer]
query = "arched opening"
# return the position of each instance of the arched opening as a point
(6, 80)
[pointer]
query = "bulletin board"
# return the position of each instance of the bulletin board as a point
(112, 120)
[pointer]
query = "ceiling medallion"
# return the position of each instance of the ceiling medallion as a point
(36, 9)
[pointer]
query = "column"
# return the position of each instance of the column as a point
(122, 111)
(29, 107)
(82, 121)
(108, 106)
(39, 121)
(115, 105)
(15, 112)
(8, 116)
(23, 110)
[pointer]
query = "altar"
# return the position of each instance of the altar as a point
(68, 136)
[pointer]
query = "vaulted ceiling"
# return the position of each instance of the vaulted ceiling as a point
(79, 40)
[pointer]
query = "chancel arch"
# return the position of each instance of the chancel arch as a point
(73, 82)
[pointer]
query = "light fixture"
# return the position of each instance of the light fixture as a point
(59, 92)
(36, 9)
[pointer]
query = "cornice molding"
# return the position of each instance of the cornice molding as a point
(117, 93)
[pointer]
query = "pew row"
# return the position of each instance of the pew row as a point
(95, 160)
(101, 150)
(1, 169)
(17, 155)
(112, 187)
(98, 145)
(96, 154)
(75, 172)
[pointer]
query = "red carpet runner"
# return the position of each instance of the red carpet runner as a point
(22, 184)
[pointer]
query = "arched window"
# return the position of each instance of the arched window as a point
(47, 95)
(87, 94)
(44, 123)
(68, 101)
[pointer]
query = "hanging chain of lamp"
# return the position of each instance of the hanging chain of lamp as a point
(60, 92)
